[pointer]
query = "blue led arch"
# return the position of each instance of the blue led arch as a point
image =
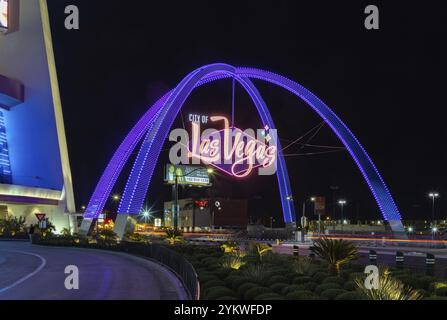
(157, 122)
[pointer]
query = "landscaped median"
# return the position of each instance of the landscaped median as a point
(228, 272)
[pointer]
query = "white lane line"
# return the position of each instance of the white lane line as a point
(23, 279)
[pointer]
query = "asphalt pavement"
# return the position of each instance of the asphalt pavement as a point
(30, 272)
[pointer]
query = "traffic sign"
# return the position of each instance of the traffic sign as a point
(40, 216)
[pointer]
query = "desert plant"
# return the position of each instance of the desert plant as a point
(331, 294)
(233, 261)
(301, 295)
(230, 247)
(66, 232)
(12, 226)
(134, 237)
(259, 250)
(256, 273)
(389, 288)
(174, 236)
(335, 252)
(107, 237)
(251, 293)
(303, 265)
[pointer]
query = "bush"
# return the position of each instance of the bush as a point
(441, 292)
(213, 283)
(227, 298)
(207, 277)
(277, 279)
(234, 281)
(251, 293)
(326, 286)
(293, 287)
(301, 295)
(269, 296)
(350, 286)
(310, 286)
(331, 294)
(416, 282)
(320, 276)
(336, 280)
(357, 275)
(353, 295)
(218, 292)
(435, 298)
(302, 280)
(245, 287)
(278, 287)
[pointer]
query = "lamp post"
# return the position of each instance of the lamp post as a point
(313, 199)
(433, 196)
(176, 208)
(342, 204)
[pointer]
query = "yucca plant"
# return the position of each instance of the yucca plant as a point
(230, 247)
(335, 252)
(173, 236)
(259, 250)
(389, 288)
(233, 261)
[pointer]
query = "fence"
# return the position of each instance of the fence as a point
(171, 259)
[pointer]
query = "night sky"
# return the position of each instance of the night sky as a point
(387, 85)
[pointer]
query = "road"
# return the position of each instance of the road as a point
(29, 272)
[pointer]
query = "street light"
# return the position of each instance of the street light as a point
(313, 199)
(116, 197)
(433, 196)
(342, 204)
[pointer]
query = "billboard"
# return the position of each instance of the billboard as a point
(4, 15)
(320, 205)
(187, 175)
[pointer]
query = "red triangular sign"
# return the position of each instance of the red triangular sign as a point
(40, 216)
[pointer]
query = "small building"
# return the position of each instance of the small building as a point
(205, 214)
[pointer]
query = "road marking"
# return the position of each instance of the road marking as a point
(23, 279)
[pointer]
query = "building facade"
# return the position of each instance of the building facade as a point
(35, 174)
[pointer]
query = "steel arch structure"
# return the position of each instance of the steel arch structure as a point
(157, 121)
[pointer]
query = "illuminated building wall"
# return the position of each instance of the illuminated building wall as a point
(5, 166)
(34, 124)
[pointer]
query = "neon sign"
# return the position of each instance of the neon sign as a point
(229, 149)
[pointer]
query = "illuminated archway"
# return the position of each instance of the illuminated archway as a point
(156, 123)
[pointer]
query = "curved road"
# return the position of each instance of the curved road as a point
(30, 272)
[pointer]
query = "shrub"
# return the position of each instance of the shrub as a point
(335, 252)
(230, 247)
(357, 276)
(353, 295)
(173, 236)
(303, 265)
(234, 281)
(244, 287)
(350, 286)
(331, 294)
(389, 289)
(301, 295)
(207, 277)
(442, 292)
(337, 280)
(302, 280)
(268, 296)
(213, 283)
(278, 287)
(218, 292)
(326, 286)
(277, 279)
(290, 288)
(232, 262)
(435, 298)
(227, 298)
(436, 285)
(251, 293)
(221, 272)
(257, 273)
(258, 250)
(310, 286)
(320, 276)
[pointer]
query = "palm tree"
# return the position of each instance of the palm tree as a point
(335, 252)
(388, 289)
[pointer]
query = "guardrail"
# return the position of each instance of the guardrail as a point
(171, 259)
